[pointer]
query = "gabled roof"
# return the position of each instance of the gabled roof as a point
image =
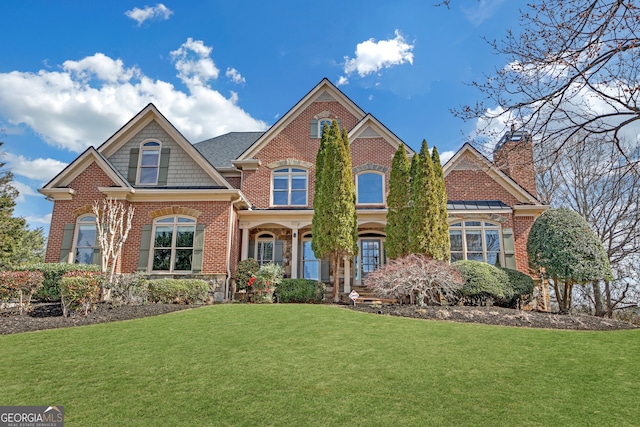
(370, 122)
(324, 86)
(222, 150)
(522, 195)
(139, 121)
(75, 168)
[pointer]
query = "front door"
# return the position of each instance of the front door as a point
(369, 258)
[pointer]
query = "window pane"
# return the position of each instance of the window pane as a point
(148, 175)
(285, 170)
(184, 238)
(307, 251)
(298, 182)
(265, 252)
(163, 237)
(165, 220)
(151, 144)
(280, 198)
(475, 256)
(181, 219)
(183, 259)
(86, 235)
(299, 198)
(456, 224)
(472, 223)
(150, 158)
(161, 259)
(474, 240)
(280, 183)
(311, 270)
(493, 240)
(297, 170)
(492, 258)
(456, 256)
(369, 188)
(84, 255)
(456, 240)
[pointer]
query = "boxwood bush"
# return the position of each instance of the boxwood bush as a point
(521, 286)
(483, 282)
(300, 290)
(53, 272)
(178, 291)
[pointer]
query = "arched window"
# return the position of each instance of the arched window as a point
(370, 188)
(173, 238)
(476, 240)
(264, 248)
(85, 240)
(289, 187)
(149, 160)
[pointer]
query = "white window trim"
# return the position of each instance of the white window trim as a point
(272, 239)
(81, 220)
(384, 198)
(152, 247)
(483, 228)
(320, 122)
(140, 152)
(289, 176)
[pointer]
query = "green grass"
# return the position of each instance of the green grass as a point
(303, 365)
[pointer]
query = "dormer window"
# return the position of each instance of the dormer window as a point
(149, 163)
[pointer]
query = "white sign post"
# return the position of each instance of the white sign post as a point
(354, 296)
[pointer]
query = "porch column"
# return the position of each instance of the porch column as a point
(244, 251)
(294, 253)
(347, 275)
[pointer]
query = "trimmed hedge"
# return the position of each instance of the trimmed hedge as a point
(53, 272)
(20, 285)
(300, 290)
(80, 291)
(178, 291)
(483, 282)
(521, 285)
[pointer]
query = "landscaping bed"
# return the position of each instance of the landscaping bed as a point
(49, 316)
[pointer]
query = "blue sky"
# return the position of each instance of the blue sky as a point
(73, 72)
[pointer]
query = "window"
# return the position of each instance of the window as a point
(370, 254)
(310, 264)
(475, 240)
(264, 249)
(370, 188)
(321, 124)
(289, 187)
(318, 124)
(149, 163)
(173, 244)
(85, 240)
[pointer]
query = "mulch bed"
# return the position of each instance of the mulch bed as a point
(49, 316)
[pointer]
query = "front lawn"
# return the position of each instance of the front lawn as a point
(301, 365)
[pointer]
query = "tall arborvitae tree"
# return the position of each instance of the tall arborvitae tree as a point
(18, 244)
(398, 228)
(441, 230)
(334, 220)
(424, 203)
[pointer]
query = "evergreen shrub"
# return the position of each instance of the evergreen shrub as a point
(483, 282)
(178, 291)
(521, 287)
(53, 272)
(80, 291)
(300, 291)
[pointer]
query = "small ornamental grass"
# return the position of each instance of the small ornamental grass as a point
(19, 285)
(80, 291)
(178, 291)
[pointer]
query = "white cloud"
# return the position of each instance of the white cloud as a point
(445, 156)
(40, 169)
(45, 219)
(24, 191)
(86, 101)
(343, 80)
(372, 56)
(159, 11)
(235, 76)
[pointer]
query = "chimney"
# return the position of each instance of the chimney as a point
(514, 156)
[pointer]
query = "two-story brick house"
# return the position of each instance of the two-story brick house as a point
(200, 208)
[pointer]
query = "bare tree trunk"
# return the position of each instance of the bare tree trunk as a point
(597, 299)
(335, 262)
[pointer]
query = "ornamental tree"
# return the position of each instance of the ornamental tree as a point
(423, 214)
(565, 249)
(441, 240)
(398, 228)
(334, 226)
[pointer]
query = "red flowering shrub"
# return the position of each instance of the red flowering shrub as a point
(20, 285)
